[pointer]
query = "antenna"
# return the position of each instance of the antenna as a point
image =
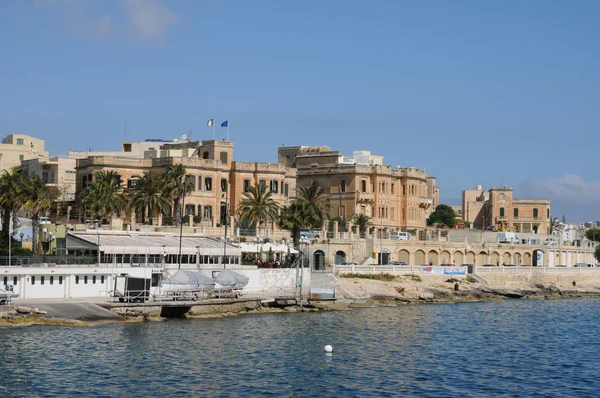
(125, 131)
(187, 136)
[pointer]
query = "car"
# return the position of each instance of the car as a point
(447, 265)
(348, 264)
(488, 265)
(398, 263)
(44, 220)
(508, 265)
(307, 233)
(562, 266)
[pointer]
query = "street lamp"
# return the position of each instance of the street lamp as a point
(304, 243)
(258, 241)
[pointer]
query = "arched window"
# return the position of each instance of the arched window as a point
(535, 213)
(502, 212)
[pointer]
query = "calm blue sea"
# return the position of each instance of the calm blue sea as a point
(511, 349)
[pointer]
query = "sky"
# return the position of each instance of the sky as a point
(491, 93)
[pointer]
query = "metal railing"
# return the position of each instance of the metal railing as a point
(33, 261)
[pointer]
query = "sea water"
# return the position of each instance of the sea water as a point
(514, 348)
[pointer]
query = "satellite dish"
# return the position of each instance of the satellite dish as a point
(184, 137)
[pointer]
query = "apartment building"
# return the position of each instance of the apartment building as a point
(497, 207)
(216, 178)
(395, 198)
(16, 148)
(57, 172)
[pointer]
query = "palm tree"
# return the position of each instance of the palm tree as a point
(317, 200)
(362, 221)
(295, 217)
(148, 195)
(177, 184)
(104, 196)
(258, 206)
(40, 199)
(556, 226)
(12, 196)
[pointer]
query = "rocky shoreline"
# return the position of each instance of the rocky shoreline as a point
(352, 293)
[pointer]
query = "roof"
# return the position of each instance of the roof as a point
(123, 242)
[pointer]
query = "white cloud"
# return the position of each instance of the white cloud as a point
(568, 188)
(148, 18)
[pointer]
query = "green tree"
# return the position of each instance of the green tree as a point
(443, 216)
(258, 206)
(362, 221)
(342, 224)
(593, 234)
(148, 195)
(177, 185)
(556, 226)
(295, 217)
(39, 199)
(317, 201)
(13, 197)
(104, 197)
(597, 253)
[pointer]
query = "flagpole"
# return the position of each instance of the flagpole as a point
(227, 130)
(214, 135)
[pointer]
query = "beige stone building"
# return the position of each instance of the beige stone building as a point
(217, 179)
(58, 172)
(395, 198)
(497, 208)
(16, 148)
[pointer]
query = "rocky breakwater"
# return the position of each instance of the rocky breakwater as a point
(11, 315)
(397, 290)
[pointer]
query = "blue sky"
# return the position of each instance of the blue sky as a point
(475, 92)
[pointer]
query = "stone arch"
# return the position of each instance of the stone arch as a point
(446, 258)
(526, 259)
(319, 260)
(482, 258)
(340, 257)
(419, 257)
(458, 258)
(517, 259)
(432, 257)
(404, 255)
(470, 258)
(495, 258)
(506, 258)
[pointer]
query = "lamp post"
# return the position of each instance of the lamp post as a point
(98, 248)
(304, 243)
(258, 241)
(45, 241)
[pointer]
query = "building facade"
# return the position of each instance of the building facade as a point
(57, 172)
(497, 208)
(218, 181)
(16, 148)
(394, 198)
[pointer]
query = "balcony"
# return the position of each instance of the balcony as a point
(366, 197)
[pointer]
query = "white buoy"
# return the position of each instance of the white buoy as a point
(328, 348)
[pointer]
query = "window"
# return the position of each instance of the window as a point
(52, 279)
(21, 157)
(502, 212)
(131, 182)
(190, 210)
(246, 185)
(94, 279)
(223, 156)
(342, 211)
(5, 280)
(363, 186)
(191, 181)
(535, 213)
(126, 147)
(223, 185)
(102, 279)
(343, 186)
(287, 190)
(205, 155)
(60, 280)
(501, 196)
(263, 183)
(85, 279)
(33, 280)
(548, 213)
(208, 183)
(403, 191)
(392, 189)
(77, 279)
(19, 141)
(223, 213)
(274, 186)
(208, 212)
(282, 187)
(516, 213)
(199, 183)
(15, 280)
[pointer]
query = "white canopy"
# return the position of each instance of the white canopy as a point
(264, 248)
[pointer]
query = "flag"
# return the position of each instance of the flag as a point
(211, 122)
(225, 123)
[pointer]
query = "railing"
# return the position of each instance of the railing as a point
(36, 261)
(538, 270)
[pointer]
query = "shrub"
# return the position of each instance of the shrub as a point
(379, 277)
(416, 278)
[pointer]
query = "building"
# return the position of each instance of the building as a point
(395, 198)
(149, 148)
(57, 172)
(497, 208)
(216, 178)
(16, 148)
